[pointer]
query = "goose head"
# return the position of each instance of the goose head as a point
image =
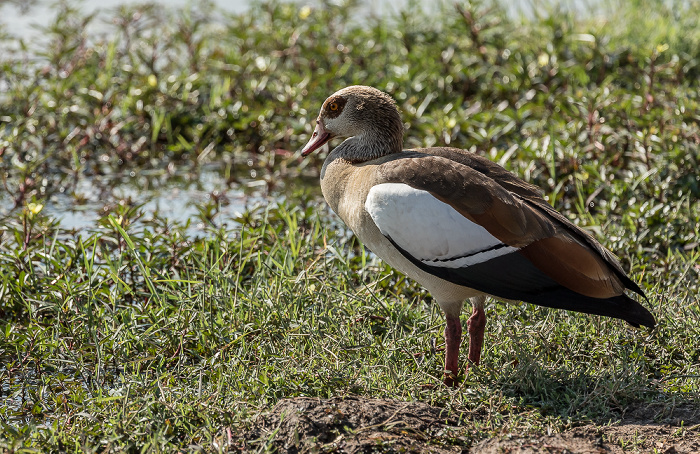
(366, 116)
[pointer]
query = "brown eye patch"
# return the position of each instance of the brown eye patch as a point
(334, 106)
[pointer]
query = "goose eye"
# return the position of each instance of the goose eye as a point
(333, 106)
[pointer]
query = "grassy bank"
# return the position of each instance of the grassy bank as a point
(132, 335)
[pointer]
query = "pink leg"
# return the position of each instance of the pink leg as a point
(475, 327)
(453, 337)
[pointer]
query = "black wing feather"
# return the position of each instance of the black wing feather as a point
(512, 276)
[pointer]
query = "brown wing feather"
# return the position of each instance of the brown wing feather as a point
(574, 265)
(486, 167)
(563, 251)
(584, 236)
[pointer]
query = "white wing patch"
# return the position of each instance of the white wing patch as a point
(429, 229)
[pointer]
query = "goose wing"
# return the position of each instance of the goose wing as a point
(472, 228)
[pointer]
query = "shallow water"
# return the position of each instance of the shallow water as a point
(173, 197)
(179, 198)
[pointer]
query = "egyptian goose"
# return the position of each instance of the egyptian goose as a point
(459, 224)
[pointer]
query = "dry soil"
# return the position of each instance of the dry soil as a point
(363, 425)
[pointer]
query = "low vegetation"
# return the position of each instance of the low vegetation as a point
(135, 335)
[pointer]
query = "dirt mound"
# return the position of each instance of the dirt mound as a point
(624, 438)
(644, 428)
(355, 425)
(363, 425)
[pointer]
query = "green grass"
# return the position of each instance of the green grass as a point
(131, 335)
